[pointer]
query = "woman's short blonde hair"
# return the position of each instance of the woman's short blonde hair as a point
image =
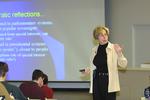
(98, 30)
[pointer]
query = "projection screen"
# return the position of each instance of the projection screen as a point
(54, 36)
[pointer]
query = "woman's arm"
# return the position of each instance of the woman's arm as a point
(122, 61)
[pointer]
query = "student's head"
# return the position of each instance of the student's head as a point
(45, 79)
(101, 34)
(3, 70)
(37, 76)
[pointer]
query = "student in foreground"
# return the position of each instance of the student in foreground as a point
(4, 93)
(12, 90)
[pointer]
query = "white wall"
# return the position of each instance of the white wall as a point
(123, 16)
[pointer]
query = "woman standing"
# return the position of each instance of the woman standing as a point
(106, 57)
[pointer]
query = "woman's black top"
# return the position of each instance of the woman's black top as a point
(100, 59)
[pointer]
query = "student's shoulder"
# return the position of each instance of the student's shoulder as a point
(27, 83)
(11, 86)
(8, 85)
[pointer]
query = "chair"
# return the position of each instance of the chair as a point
(4, 92)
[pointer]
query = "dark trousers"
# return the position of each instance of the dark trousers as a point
(100, 88)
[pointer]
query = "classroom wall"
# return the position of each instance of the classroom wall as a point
(122, 17)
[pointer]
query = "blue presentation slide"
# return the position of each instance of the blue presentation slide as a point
(26, 42)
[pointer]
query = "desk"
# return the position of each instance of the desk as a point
(133, 81)
(143, 98)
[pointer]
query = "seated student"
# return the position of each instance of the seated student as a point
(15, 91)
(4, 92)
(47, 91)
(32, 89)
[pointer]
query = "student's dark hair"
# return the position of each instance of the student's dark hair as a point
(45, 79)
(3, 68)
(37, 74)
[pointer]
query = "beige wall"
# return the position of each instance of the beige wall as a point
(73, 95)
(133, 82)
(123, 14)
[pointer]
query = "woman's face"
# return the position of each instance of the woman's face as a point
(103, 37)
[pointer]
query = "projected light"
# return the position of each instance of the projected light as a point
(52, 35)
